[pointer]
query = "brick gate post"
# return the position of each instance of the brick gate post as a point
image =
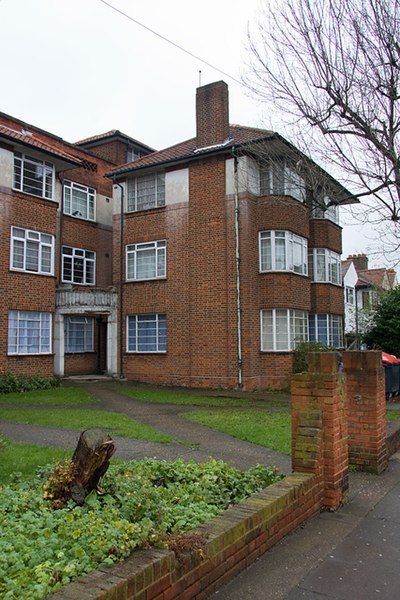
(366, 410)
(319, 426)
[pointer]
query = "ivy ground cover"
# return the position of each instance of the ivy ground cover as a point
(142, 503)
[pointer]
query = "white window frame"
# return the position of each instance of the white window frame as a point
(23, 163)
(133, 343)
(331, 322)
(146, 192)
(330, 214)
(74, 206)
(88, 259)
(278, 177)
(331, 266)
(350, 295)
(294, 324)
(25, 244)
(71, 329)
(134, 253)
(268, 243)
(21, 324)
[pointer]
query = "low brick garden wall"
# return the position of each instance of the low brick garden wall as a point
(235, 539)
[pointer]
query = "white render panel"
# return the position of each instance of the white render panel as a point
(177, 186)
(6, 168)
(104, 209)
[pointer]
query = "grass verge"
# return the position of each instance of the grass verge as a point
(26, 459)
(116, 423)
(185, 399)
(269, 429)
(57, 396)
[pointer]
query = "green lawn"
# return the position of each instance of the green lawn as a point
(116, 423)
(185, 399)
(270, 429)
(393, 415)
(68, 396)
(26, 459)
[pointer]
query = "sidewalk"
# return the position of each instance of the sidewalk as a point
(350, 554)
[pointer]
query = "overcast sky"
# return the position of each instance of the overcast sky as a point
(78, 68)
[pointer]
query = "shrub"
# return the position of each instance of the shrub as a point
(10, 383)
(303, 349)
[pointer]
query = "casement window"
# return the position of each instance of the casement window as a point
(146, 333)
(282, 251)
(325, 266)
(282, 328)
(78, 266)
(132, 154)
(146, 192)
(146, 261)
(350, 295)
(326, 329)
(33, 176)
(29, 332)
(31, 251)
(79, 201)
(78, 334)
(319, 210)
(279, 178)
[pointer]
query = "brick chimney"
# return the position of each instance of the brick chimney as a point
(212, 114)
(360, 261)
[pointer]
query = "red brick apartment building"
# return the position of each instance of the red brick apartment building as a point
(199, 265)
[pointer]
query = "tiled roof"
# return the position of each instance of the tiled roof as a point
(373, 277)
(29, 139)
(238, 136)
(110, 134)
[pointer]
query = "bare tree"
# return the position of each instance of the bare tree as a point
(333, 66)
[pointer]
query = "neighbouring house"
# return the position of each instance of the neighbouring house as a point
(362, 289)
(198, 265)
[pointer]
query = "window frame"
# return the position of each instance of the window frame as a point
(22, 319)
(88, 334)
(290, 317)
(68, 203)
(78, 254)
(136, 197)
(31, 237)
(331, 322)
(21, 177)
(278, 178)
(132, 336)
(331, 258)
(133, 252)
(291, 240)
(350, 295)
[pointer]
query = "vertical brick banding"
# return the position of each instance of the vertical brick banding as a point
(212, 114)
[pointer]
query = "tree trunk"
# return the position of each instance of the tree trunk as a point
(75, 479)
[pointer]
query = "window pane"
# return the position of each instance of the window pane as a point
(282, 333)
(29, 332)
(267, 337)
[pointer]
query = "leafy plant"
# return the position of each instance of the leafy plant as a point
(384, 331)
(21, 383)
(144, 503)
(301, 352)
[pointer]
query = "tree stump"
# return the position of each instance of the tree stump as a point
(75, 479)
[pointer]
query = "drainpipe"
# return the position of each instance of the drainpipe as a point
(121, 273)
(237, 261)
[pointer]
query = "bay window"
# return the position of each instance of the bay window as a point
(282, 328)
(282, 251)
(325, 266)
(326, 329)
